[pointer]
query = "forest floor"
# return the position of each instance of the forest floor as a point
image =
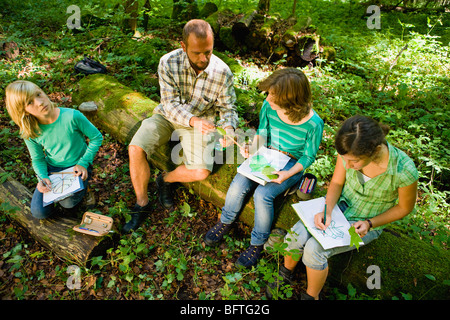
(166, 259)
(39, 274)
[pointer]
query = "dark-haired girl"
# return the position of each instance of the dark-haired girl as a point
(374, 183)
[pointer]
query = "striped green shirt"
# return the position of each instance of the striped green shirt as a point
(377, 195)
(302, 141)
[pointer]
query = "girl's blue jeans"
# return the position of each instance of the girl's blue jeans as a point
(37, 204)
(263, 197)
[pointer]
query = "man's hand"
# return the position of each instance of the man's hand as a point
(202, 125)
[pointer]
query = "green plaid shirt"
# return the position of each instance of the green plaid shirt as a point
(380, 193)
(185, 94)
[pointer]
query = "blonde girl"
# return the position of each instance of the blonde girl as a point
(55, 138)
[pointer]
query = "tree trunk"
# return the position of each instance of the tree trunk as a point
(131, 10)
(208, 9)
(184, 10)
(264, 6)
(55, 233)
(147, 8)
(241, 28)
(403, 261)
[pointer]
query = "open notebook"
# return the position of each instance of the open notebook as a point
(262, 163)
(336, 235)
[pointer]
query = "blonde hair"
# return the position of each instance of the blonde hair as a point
(19, 95)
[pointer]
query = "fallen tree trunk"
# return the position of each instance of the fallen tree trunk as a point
(403, 262)
(293, 39)
(241, 28)
(54, 233)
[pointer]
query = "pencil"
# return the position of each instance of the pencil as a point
(325, 215)
(67, 172)
(43, 182)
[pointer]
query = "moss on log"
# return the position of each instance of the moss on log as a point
(403, 261)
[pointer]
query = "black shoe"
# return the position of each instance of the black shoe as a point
(305, 296)
(164, 192)
(216, 233)
(274, 287)
(138, 215)
(249, 257)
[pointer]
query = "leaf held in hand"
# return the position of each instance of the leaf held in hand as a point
(221, 131)
(355, 239)
(267, 171)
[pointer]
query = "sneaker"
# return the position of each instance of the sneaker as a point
(164, 192)
(216, 233)
(274, 287)
(276, 236)
(249, 257)
(138, 215)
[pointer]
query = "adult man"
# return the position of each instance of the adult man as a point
(195, 86)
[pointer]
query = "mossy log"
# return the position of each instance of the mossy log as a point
(293, 39)
(54, 233)
(208, 9)
(403, 261)
(241, 28)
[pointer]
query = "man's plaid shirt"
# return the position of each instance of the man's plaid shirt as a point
(184, 94)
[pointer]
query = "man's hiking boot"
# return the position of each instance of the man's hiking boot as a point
(249, 257)
(274, 287)
(164, 192)
(138, 215)
(216, 233)
(305, 296)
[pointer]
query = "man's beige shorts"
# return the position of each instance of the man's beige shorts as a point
(197, 148)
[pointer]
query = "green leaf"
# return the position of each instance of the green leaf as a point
(221, 131)
(431, 277)
(355, 239)
(267, 171)
(186, 208)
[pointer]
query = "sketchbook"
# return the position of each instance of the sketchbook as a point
(64, 185)
(262, 163)
(336, 234)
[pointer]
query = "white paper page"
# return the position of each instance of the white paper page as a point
(336, 234)
(270, 157)
(63, 185)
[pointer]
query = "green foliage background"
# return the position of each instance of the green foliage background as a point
(411, 94)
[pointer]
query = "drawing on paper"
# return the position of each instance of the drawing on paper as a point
(62, 182)
(333, 231)
(259, 163)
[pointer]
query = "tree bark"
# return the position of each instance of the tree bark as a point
(241, 28)
(54, 233)
(264, 6)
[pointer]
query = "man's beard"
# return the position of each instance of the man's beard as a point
(196, 67)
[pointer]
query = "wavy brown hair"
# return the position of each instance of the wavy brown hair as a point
(291, 90)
